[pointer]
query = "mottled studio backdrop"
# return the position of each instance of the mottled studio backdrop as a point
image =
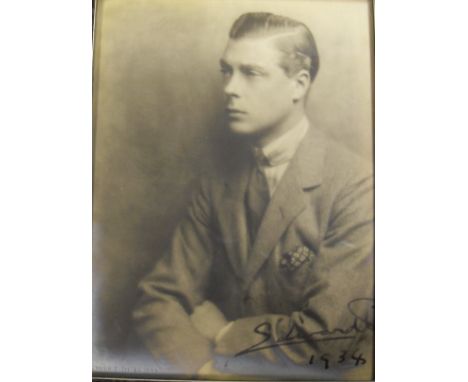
(158, 122)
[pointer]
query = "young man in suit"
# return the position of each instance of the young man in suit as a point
(270, 273)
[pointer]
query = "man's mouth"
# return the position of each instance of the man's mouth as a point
(234, 112)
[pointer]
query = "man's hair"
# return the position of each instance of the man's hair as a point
(294, 39)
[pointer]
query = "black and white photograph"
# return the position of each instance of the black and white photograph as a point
(233, 192)
(220, 190)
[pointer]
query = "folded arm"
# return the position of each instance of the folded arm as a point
(172, 291)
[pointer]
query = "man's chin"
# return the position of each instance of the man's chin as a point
(240, 128)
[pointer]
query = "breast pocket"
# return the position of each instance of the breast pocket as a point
(290, 272)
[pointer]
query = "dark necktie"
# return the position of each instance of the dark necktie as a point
(258, 198)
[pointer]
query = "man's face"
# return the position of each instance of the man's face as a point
(259, 94)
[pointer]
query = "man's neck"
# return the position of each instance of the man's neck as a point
(274, 133)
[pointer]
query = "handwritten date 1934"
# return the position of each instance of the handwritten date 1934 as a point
(345, 358)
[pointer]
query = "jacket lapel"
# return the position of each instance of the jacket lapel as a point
(233, 219)
(289, 199)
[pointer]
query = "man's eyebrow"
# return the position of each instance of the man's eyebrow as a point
(253, 67)
(243, 66)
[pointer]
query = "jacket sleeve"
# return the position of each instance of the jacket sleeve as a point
(172, 290)
(338, 303)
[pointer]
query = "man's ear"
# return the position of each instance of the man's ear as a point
(301, 85)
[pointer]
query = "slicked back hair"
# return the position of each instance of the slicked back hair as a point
(293, 39)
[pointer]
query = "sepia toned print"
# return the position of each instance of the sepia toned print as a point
(233, 190)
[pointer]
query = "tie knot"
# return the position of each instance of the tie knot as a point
(260, 157)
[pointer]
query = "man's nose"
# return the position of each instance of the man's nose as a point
(232, 86)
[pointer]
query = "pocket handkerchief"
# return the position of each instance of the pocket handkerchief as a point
(292, 260)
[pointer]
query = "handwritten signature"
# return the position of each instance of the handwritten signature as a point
(296, 335)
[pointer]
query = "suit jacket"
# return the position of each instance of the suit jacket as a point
(305, 294)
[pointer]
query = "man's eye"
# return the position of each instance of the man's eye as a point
(225, 71)
(251, 73)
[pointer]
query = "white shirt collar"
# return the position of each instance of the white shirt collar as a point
(282, 149)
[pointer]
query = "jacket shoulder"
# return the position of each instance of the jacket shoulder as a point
(343, 165)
